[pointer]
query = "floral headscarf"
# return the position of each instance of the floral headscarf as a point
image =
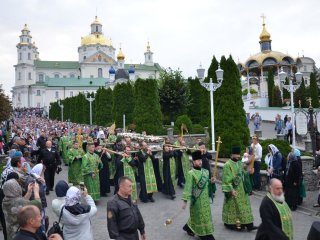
(73, 196)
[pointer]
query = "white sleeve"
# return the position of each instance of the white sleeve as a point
(93, 209)
(258, 155)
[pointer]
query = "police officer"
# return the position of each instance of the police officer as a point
(124, 217)
(51, 160)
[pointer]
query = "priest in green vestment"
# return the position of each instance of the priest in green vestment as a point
(75, 155)
(275, 215)
(91, 164)
(196, 191)
(236, 212)
(65, 143)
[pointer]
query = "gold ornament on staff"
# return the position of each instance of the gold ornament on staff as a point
(170, 220)
(217, 157)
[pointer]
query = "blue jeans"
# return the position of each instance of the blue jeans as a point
(256, 126)
(257, 180)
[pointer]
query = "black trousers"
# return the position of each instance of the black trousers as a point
(49, 176)
(189, 231)
(257, 178)
(2, 219)
(181, 179)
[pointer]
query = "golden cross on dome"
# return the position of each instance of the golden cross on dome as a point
(263, 18)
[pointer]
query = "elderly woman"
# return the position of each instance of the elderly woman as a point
(76, 216)
(291, 181)
(13, 201)
(61, 192)
(274, 162)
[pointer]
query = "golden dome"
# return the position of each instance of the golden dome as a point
(93, 39)
(120, 55)
(25, 28)
(264, 36)
(96, 21)
(148, 47)
(261, 56)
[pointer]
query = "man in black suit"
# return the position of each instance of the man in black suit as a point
(51, 160)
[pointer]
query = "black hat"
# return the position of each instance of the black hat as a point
(196, 155)
(236, 150)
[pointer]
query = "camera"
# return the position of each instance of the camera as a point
(58, 170)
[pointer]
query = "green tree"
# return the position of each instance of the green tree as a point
(174, 93)
(301, 95)
(123, 103)
(82, 113)
(147, 111)
(5, 105)
(55, 111)
(276, 97)
(103, 106)
(199, 99)
(230, 119)
(270, 81)
(285, 92)
(314, 91)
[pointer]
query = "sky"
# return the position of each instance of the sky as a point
(182, 33)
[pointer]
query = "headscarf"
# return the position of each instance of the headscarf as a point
(73, 196)
(297, 152)
(12, 189)
(37, 170)
(12, 175)
(73, 205)
(291, 158)
(273, 148)
(61, 188)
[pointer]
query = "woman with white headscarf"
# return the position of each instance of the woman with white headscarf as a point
(76, 216)
(274, 162)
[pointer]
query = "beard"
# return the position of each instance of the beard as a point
(279, 199)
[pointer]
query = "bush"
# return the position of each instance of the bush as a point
(252, 91)
(197, 128)
(283, 147)
(183, 119)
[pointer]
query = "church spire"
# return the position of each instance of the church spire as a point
(265, 37)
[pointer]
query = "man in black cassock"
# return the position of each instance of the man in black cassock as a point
(275, 215)
(104, 173)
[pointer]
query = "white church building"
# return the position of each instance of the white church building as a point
(39, 82)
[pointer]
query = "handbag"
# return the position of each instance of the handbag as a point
(56, 227)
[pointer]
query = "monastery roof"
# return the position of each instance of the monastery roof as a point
(144, 67)
(57, 64)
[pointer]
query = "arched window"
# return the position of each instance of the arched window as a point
(97, 29)
(100, 72)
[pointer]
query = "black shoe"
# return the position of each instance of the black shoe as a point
(144, 201)
(51, 189)
(47, 193)
(188, 230)
(173, 197)
(251, 228)
(151, 199)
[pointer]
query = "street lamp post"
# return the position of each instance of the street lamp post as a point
(49, 112)
(291, 88)
(90, 99)
(61, 106)
(212, 87)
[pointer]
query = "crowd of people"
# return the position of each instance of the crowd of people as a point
(99, 160)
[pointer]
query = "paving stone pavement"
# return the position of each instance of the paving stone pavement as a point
(155, 214)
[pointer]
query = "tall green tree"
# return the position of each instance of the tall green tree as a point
(270, 81)
(5, 105)
(198, 108)
(300, 94)
(147, 111)
(103, 106)
(276, 97)
(285, 92)
(82, 113)
(314, 91)
(123, 103)
(55, 111)
(174, 93)
(230, 119)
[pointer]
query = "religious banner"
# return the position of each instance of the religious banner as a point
(301, 123)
